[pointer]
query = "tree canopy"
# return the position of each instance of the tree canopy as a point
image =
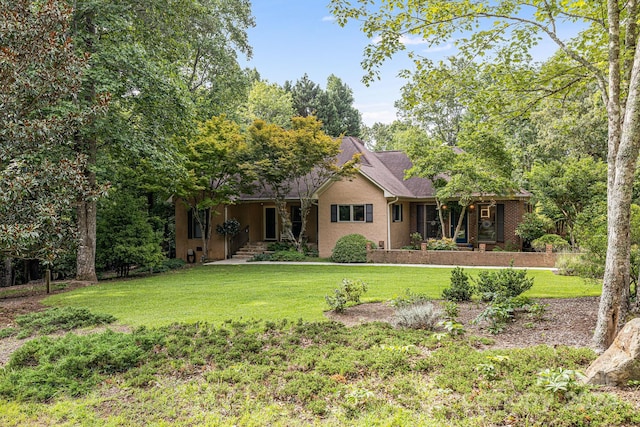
(497, 38)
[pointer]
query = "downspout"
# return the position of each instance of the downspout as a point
(389, 222)
(226, 239)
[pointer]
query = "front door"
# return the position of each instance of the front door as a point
(270, 224)
(455, 216)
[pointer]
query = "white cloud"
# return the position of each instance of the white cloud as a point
(329, 18)
(441, 48)
(382, 116)
(405, 40)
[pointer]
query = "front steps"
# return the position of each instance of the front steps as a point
(250, 249)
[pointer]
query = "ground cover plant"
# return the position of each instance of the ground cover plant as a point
(216, 293)
(294, 373)
(222, 368)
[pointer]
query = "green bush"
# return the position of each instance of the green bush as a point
(444, 244)
(557, 242)
(409, 298)
(349, 291)
(351, 248)
(290, 256)
(502, 284)
(533, 226)
(460, 289)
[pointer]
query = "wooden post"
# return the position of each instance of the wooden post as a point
(47, 279)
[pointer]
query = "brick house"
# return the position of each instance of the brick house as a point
(378, 202)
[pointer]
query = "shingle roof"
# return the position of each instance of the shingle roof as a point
(386, 169)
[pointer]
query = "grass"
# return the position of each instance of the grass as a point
(288, 372)
(272, 292)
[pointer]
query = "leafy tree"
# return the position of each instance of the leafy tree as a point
(604, 53)
(336, 110)
(305, 95)
(125, 237)
(157, 64)
(40, 175)
(215, 175)
(565, 188)
(294, 162)
(440, 104)
(386, 137)
(476, 170)
(268, 102)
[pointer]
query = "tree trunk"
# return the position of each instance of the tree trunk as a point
(86, 260)
(460, 222)
(624, 143)
(285, 220)
(441, 217)
(8, 272)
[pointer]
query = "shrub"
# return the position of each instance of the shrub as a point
(351, 248)
(280, 246)
(409, 298)
(421, 315)
(287, 256)
(557, 243)
(444, 244)
(416, 240)
(170, 264)
(533, 226)
(502, 284)
(349, 291)
(460, 288)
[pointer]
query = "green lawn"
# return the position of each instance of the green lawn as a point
(260, 291)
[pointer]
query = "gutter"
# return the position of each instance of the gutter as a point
(389, 222)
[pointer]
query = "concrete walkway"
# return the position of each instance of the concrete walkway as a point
(236, 261)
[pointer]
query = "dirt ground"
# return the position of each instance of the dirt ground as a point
(569, 321)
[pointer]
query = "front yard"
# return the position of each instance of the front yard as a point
(291, 367)
(217, 293)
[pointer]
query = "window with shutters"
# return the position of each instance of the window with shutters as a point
(352, 213)
(490, 223)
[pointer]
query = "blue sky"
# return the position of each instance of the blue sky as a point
(294, 37)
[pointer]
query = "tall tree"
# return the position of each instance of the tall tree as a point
(268, 102)
(215, 175)
(157, 62)
(305, 95)
(294, 163)
(386, 137)
(504, 31)
(568, 187)
(336, 110)
(41, 176)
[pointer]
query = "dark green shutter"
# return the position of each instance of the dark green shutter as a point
(368, 213)
(334, 213)
(500, 223)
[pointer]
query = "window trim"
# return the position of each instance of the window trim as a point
(367, 213)
(397, 214)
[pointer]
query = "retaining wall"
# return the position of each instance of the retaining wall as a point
(463, 258)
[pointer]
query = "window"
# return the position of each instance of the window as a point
(194, 231)
(397, 212)
(351, 213)
(491, 223)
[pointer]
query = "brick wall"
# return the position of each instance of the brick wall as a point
(463, 258)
